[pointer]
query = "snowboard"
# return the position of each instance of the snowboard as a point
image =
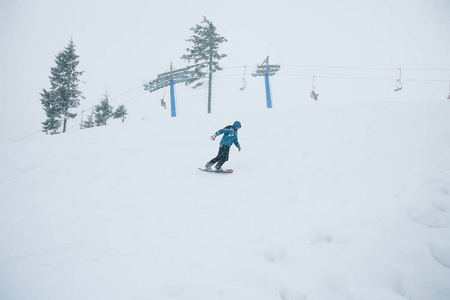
(226, 171)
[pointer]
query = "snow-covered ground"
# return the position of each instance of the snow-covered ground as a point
(327, 201)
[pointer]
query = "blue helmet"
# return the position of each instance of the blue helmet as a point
(237, 125)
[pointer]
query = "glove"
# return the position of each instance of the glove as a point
(239, 148)
(213, 137)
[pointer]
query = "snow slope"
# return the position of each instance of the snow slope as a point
(327, 201)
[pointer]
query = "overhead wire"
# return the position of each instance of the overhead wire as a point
(24, 137)
(360, 78)
(348, 68)
(89, 109)
(295, 75)
(117, 96)
(365, 68)
(123, 102)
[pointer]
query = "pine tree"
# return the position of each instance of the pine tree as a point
(204, 54)
(52, 123)
(120, 112)
(103, 111)
(89, 122)
(64, 93)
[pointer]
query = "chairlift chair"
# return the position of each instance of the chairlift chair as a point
(398, 84)
(163, 103)
(244, 83)
(314, 95)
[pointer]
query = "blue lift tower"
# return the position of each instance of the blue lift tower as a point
(169, 79)
(267, 70)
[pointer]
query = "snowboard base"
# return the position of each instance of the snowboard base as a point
(226, 171)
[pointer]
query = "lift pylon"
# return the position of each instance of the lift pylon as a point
(267, 70)
(169, 79)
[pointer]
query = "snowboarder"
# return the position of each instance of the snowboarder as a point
(230, 136)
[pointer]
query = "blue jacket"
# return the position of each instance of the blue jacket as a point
(230, 135)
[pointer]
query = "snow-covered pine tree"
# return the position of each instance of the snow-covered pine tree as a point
(204, 54)
(52, 123)
(120, 112)
(103, 111)
(64, 93)
(89, 122)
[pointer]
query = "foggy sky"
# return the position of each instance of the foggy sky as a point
(121, 44)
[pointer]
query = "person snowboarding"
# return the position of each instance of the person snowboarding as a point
(230, 136)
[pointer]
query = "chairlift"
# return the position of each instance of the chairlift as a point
(314, 95)
(244, 83)
(398, 84)
(81, 121)
(163, 103)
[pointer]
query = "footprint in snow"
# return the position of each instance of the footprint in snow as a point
(441, 253)
(276, 254)
(291, 294)
(438, 195)
(321, 235)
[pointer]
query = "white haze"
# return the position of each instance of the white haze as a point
(327, 201)
(123, 44)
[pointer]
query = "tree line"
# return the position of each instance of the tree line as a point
(64, 94)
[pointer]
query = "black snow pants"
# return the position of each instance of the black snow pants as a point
(221, 157)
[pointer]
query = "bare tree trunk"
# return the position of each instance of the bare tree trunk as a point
(65, 122)
(209, 92)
